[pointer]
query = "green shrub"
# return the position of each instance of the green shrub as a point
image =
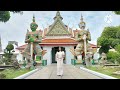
(2, 76)
(117, 12)
(117, 48)
(112, 56)
(1, 62)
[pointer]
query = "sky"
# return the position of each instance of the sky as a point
(15, 29)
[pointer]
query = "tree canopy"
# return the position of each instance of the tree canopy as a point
(5, 15)
(117, 48)
(109, 37)
(117, 12)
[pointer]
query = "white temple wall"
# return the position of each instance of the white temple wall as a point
(48, 55)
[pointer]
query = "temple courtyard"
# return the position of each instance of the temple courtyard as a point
(70, 72)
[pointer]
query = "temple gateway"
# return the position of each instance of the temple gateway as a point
(58, 35)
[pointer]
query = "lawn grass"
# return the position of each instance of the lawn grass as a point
(11, 73)
(106, 70)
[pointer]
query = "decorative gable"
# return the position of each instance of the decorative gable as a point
(58, 28)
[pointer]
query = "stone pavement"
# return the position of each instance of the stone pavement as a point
(70, 72)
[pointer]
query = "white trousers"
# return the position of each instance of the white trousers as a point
(59, 67)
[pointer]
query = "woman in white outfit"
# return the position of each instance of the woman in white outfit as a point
(59, 58)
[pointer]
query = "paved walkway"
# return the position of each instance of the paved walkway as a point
(70, 72)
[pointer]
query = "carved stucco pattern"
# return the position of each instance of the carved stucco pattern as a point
(58, 29)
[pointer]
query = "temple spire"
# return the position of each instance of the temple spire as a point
(33, 18)
(58, 15)
(81, 18)
(82, 24)
(33, 25)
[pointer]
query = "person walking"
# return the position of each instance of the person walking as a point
(59, 58)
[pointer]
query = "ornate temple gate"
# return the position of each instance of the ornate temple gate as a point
(59, 34)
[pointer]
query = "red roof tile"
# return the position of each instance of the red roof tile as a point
(66, 40)
(57, 41)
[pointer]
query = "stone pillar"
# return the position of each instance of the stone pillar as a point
(87, 61)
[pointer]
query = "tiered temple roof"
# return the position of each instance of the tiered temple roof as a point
(64, 34)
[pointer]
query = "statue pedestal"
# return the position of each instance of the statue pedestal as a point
(79, 59)
(87, 61)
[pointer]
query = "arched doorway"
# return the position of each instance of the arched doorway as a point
(53, 52)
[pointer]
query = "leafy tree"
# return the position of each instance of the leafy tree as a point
(112, 56)
(16, 11)
(118, 34)
(102, 41)
(115, 42)
(104, 49)
(117, 48)
(117, 12)
(5, 15)
(111, 41)
(110, 32)
(109, 37)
